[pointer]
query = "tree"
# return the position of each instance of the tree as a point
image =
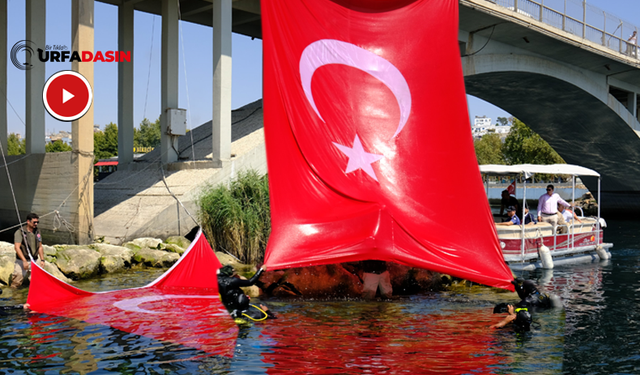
(503, 121)
(57, 146)
(522, 145)
(105, 144)
(148, 135)
(16, 146)
(489, 149)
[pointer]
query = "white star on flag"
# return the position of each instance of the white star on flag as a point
(359, 158)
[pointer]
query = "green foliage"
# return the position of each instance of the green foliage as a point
(57, 146)
(504, 121)
(105, 144)
(16, 146)
(148, 135)
(237, 218)
(489, 149)
(523, 145)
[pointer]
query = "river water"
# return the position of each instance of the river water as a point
(445, 332)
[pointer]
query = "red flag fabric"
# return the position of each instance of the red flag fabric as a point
(181, 306)
(366, 127)
(512, 188)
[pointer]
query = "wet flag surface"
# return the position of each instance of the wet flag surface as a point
(368, 137)
(181, 306)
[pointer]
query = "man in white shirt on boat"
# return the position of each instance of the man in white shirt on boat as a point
(513, 219)
(548, 207)
(568, 215)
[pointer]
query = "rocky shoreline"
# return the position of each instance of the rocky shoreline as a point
(78, 262)
(72, 263)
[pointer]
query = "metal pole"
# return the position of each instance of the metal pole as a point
(604, 29)
(584, 19)
(541, 9)
(524, 203)
(598, 221)
(573, 201)
(515, 6)
(564, 16)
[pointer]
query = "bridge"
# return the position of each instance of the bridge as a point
(574, 82)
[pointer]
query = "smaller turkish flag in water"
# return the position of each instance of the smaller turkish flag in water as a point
(512, 188)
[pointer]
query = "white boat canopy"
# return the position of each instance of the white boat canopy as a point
(529, 169)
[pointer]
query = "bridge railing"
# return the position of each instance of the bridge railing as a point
(581, 19)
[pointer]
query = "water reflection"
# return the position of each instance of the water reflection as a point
(441, 332)
(401, 337)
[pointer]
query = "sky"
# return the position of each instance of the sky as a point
(195, 93)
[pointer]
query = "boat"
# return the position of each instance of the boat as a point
(524, 247)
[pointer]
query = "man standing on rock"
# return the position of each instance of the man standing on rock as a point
(26, 240)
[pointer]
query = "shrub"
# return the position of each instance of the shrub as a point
(236, 218)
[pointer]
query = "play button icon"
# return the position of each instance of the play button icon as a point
(67, 95)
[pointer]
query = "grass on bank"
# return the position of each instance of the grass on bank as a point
(236, 218)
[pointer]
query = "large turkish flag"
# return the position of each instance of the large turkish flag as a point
(367, 130)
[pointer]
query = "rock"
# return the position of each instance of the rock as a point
(342, 280)
(50, 253)
(53, 269)
(147, 242)
(326, 281)
(79, 263)
(6, 246)
(7, 261)
(178, 240)
(251, 291)
(155, 258)
(113, 258)
(173, 248)
(225, 258)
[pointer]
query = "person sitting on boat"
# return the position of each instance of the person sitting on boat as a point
(519, 316)
(529, 294)
(568, 215)
(507, 201)
(513, 219)
(529, 218)
(234, 299)
(548, 207)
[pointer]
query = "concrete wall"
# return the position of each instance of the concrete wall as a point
(41, 183)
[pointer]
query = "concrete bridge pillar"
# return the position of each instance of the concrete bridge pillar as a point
(221, 120)
(125, 87)
(3, 75)
(169, 77)
(82, 13)
(35, 132)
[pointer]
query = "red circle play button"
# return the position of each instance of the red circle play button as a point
(67, 95)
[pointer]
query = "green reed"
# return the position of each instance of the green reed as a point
(236, 218)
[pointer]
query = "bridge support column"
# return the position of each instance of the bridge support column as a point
(3, 75)
(169, 77)
(35, 132)
(125, 87)
(221, 120)
(82, 129)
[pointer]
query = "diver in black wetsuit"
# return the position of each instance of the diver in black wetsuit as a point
(529, 294)
(14, 307)
(234, 299)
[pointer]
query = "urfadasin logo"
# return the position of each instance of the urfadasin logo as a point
(21, 53)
